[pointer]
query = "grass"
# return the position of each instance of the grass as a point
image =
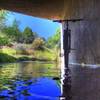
(9, 51)
(44, 55)
(12, 55)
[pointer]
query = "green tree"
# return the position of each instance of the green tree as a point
(4, 41)
(13, 32)
(3, 14)
(54, 40)
(17, 33)
(28, 35)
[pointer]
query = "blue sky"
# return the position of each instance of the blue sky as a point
(45, 28)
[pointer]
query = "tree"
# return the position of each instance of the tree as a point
(4, 41)
(2, 18)
(16, 30)
(54, 40)
(38, 44)
(13, 32)
(3, 14)
(28, 35)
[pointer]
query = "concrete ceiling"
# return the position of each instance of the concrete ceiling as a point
(50, 9)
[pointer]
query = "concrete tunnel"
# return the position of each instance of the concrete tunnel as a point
(85, 34)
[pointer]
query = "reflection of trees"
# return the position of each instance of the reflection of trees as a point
(8, 71)
(26, 70)
(37, 69)
(32, 69)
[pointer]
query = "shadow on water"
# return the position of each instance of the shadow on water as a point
(85, 82)
(29, 81)
(41, 81)
(66, 85)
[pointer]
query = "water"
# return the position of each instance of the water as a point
(29, 81)
(85, 82)
(37, 81)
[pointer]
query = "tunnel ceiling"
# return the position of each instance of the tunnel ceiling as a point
(50, 9)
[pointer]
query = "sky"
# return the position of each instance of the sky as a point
(45, 28)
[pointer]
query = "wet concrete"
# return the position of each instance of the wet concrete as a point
(85, 83)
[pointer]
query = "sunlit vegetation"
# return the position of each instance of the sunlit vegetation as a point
(26, 45)
(7, 58)
(54, 41)
(8, 50)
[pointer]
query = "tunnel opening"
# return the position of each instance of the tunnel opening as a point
(32, 59)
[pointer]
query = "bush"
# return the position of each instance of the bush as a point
(25, 52)
(21, 52)
(4, 41)
(5, 58)
(23, 58)
(38, 44)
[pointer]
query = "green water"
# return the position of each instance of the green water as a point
(17, 78)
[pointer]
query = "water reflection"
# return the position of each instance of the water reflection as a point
(66, 85)
(32, 88)
(29, 81)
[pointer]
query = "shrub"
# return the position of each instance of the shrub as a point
(6, 58)
(4, 41)
(38, 44)
(25, 52)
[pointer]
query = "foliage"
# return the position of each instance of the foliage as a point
(28, 35)
(38, 44)
(4, 41)
(26, 58)
(40, 48)
(54, 40)
(9, 51)
(24, 51)
(6, 58)
(44, 55)
(15, 35)
(13, 31)
(3, 14)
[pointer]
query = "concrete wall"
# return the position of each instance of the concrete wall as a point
(85, 34)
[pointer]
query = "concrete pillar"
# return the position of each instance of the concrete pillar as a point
(65, 72)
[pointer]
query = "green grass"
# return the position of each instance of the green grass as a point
(12, 55)
(44, 55)
(9, 51)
